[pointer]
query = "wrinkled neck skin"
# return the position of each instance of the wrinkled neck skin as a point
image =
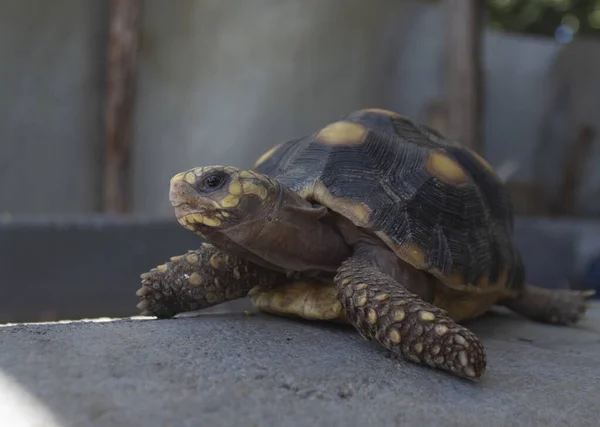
(288, 233)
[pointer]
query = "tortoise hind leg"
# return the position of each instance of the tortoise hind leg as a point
(555, 306)
(384, 310)
(310, 300)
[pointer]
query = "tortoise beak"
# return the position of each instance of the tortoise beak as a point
(186, 199)
(181, 193)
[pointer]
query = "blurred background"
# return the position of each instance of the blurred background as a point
(101, 102)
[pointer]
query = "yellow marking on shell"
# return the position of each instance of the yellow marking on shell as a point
(399, 315)
(218, 283)
(225, 214)
(419, 347)
(192, 258)
(206, 245)
(266, 155)
(145, 276)
(162, 268)
(409, 252)
(427, 316)
(441, 329)
(345, 283)
(236, 273)
(462, 356)
(382, 297)
(483, 162)
(394, 336)
(342, 133)
(413, 254)
(230, 201)
(195, 279)
(435, 350)
(198, 217)
(470, 372)
(383, 112)
(235, 188)
(357, 212)
(176, 258)
(372, 316)
(361, 301)
(211, 297)
(445, 169)
(190, 178)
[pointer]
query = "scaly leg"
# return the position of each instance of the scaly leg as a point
(555, 306)
(382, 309)
(200, 279)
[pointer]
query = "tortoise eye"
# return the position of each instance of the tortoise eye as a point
(213, 181)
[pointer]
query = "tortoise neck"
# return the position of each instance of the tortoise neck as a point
(295, 235)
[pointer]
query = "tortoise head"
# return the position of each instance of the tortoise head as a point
(215, 198)
(254, 216)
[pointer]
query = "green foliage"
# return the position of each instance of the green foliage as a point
(543, 17)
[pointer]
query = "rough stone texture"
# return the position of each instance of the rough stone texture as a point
(267, 371)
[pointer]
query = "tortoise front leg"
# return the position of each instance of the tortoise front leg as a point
(554, 306)
(200, 279)
(382, 309)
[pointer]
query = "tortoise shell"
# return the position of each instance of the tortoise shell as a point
(438, 205)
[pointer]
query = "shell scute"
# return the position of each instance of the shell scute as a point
(417, 191)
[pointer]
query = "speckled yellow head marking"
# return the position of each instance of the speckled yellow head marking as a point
(211, 207)
(342, 133)
(266, 155)
(445, 169)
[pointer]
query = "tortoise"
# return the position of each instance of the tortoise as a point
(373, 221)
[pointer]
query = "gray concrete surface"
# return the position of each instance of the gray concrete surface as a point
(232, 370)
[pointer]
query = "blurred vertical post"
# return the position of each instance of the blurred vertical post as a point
(123, 44)
(464, 79)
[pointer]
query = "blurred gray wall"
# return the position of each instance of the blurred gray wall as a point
(221, 81)
(51, 94)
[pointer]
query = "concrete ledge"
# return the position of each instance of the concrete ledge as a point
(82, 267)
(234, 370)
